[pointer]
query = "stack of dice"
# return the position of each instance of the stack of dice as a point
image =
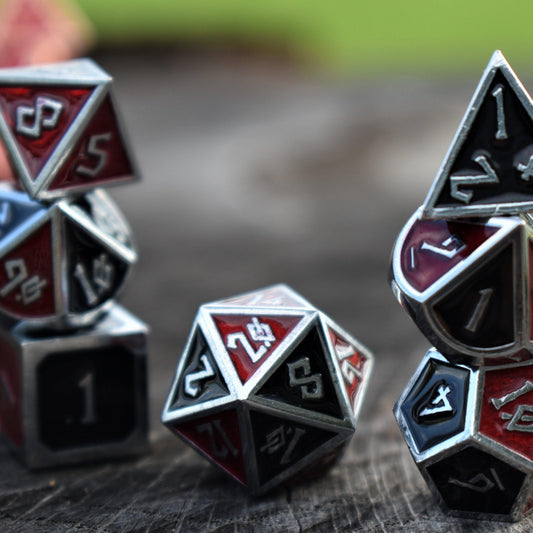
(72, 361)
(462, 268)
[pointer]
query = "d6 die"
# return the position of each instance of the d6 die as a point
(75, 397)
(61, 265)
(467, 283)
(470, 432)
(267, 386)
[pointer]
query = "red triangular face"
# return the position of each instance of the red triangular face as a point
(99, 157)
(251, 339)
(217, 436)
(38, 118)
(351, 363)
(26, 277)
(278, 296)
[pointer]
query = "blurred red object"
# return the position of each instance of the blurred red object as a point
(40, 31)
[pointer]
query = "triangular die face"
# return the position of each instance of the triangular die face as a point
(489, 167)
(15, 209)
(201, 379)
(218, 437)
(479, 312)
(94, 272)
(99, 157)
(280, 443)
(303, 379)
(433, 247)
(352, 364)
(38, 118)
(26, 277)
(277, 296)
(251, 339)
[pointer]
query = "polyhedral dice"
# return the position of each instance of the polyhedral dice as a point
(61, 129)
(267, 386)
(75, 396)
(61, 265)
(470, 431)
(468, 283)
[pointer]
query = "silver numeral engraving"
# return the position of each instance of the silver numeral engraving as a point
(465, 196)
(31, 288)
(95, 150)
(311, 386)
(448, 249)
(522, 419)
(440, 403)
(89, 411)
(279, 439)
(259, 332)
(30, 121)
(192, 380)
(101, 279)
(526, 170)
(480, 482)
(219, 442)
(501, 132)
(480, 310)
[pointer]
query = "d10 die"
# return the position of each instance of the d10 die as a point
(75, 397)
(61, 265)
(267, 386)
(470, 432)
(467, 283)
(61, 129)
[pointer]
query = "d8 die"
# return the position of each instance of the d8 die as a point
(61, 265)
(267, 386)
(467, 283)
(75, 397)
(470, 432)
(61, 130)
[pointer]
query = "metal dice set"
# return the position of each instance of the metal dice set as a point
(462, 268)
(72, 361)
(267, 387)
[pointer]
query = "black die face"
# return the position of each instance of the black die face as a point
(86, 397)
(475, 481)
(480, 310)
(201, 380)
(435, 408)
(303, 379)
(95, 274)
(280, 443)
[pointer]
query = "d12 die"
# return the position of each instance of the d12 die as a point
(267, 386)
(61, 265)
(470, 433)
(77, 396)
(467, 283)
(61, 129)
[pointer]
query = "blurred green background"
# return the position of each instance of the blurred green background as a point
(355, 36)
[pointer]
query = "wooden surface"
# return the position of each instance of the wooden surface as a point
(252, 175)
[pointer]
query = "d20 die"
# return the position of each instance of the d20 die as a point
(267, 386)
(61, 265)
(61, 128)
(75, 397)
(466, 283)
(459, 444)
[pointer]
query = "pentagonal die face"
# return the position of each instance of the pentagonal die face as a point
(260, 389)
(450, 417)
(436, 409)
(59, 265)
(466, 283)
(61, 128)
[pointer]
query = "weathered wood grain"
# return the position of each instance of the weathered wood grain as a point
(254, 176)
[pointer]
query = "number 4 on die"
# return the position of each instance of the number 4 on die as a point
(61, 130)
